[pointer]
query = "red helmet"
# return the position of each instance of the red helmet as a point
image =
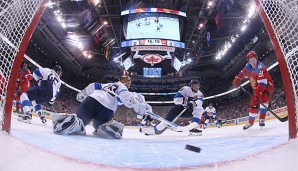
(251, 54)
(25, 65)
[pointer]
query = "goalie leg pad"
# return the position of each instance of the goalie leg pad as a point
(68, 124)
(110, 130)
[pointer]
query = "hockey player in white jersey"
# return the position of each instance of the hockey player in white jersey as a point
(99, 103)
(45, 93)
(210, 113)
(189, 98)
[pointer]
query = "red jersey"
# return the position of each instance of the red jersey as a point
(2, 83)
(24, 78)
(258, 77)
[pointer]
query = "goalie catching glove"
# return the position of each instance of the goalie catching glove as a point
(139, 104)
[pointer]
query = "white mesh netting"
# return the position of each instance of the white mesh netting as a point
(15, 18)
(283, 17)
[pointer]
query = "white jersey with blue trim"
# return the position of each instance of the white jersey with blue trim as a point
(210, 111)
(99, 92)
(46, 74)
(198, 96)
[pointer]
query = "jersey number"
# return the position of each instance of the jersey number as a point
(261, 73)
(111, 88)
(53, 79)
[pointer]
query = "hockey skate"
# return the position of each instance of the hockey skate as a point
(261, 122)
(42, 118)
(245, 127)
(195, 132)
(25, 118)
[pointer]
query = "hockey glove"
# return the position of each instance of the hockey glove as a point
(191, 104)
(142, 108)
(237, 81)
(81, 97)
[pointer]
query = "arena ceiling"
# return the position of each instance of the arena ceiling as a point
(65, 34)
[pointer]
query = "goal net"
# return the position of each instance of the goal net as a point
(281, 21)
(16, 27)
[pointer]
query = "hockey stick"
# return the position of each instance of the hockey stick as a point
(284, 119)
(177, 117)
(159, 118)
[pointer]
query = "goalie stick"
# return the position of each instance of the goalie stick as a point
(284, 119)
(159, 118)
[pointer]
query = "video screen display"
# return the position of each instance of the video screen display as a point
(152, 72)
(153, 25)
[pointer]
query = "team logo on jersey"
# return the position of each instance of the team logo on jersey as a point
(152, 58)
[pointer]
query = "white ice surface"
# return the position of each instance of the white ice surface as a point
(34, 147)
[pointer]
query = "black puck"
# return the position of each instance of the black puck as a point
(193, 148)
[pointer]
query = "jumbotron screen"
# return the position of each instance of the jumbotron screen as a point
(153, 25)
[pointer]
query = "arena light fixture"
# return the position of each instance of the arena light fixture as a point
(243, 28)
(252, 10)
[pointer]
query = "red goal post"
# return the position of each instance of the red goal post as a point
(281, 21)
(18, 19)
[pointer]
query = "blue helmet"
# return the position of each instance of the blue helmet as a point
(194, 82)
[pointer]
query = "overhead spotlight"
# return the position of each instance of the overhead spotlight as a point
(252, 10)
(85, 53)
(50, 4)
(63, 25)
(201, 25)
(189, 60)
(96, 2)
(210, 3)
(105, 22)
(243, 28)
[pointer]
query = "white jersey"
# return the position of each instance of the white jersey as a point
(46, 74)
(186, 93)
(99, 92)
(210, 111)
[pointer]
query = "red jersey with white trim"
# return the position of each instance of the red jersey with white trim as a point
(258, 77)
(2, 83)
(24, 78)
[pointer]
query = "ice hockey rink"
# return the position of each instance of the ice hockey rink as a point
(34, 147)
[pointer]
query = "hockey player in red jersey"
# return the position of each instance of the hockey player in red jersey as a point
(23, 83)
(262, 84)
(2, 84)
